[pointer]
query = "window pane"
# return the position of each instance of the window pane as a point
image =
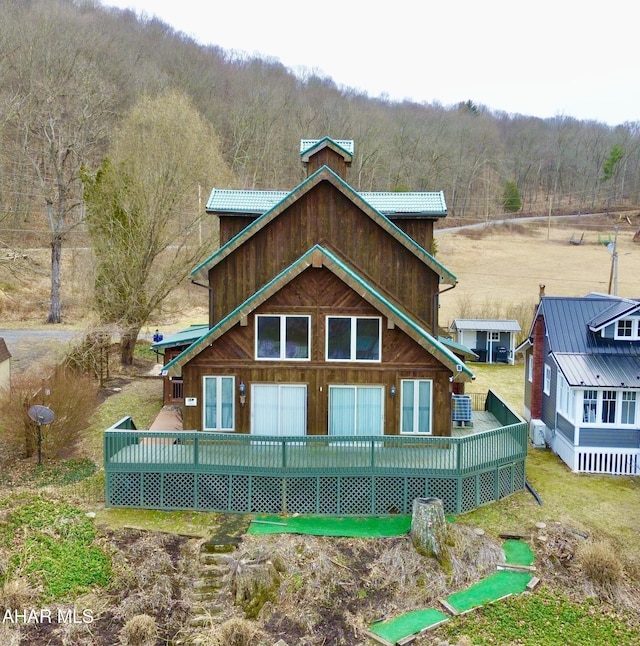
(210, 402)
(368, 339)
(339, 338)
(297, 337)
(424, 407)
(407, 407)
(609, 406)
(268, 337)
(589, 406)
(227, 402)
(343, 413)
(628, 409)
(369, 410)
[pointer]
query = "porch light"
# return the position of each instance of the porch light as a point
(242, 389)
(393, 390)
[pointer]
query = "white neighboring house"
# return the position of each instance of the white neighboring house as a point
(493, 340)
(582, 381)
(5, 366)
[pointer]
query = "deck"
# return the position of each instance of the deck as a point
(318, 474)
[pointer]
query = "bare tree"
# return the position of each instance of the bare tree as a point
(143, 211)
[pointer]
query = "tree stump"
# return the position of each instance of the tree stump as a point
(429, 527)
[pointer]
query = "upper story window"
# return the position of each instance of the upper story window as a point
(283, 337)
(627, 329)
(354, 338)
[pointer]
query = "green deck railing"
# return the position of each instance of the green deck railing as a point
(325, 474)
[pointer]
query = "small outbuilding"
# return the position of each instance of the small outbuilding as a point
(493, 340)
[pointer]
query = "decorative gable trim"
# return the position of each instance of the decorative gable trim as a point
(309, 147)
(350, 277)
(325, 174)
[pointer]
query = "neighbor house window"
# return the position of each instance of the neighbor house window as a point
(353, 338)
(565, 398)
(530, 368)
(494, 336)
(608, 406)
(628, 407)
(625, 329)
(589, 406)
(218, 410)
(415, 405)
(283, 337)
(547, 380)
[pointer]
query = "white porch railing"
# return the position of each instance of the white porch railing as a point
(597, 459)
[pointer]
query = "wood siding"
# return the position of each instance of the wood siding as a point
(319, 293)
(325, 216)
(231, 225)
(420, 229)
(327, 157)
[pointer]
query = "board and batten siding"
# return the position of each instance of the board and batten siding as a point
(326, 216)
(402, 358)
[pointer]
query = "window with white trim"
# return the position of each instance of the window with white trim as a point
(353, 338)
(627, 329)
(609, 407)
(283, 337)
(530, 368)
(547, 379)
(589, 406)
(494, 336)
(415, 405)
(219, 403)
(565, 398)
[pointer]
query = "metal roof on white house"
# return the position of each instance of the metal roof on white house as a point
(489, 325)
(430, 203)
(599, 371)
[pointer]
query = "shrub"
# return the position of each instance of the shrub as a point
(601, 566)
(72, 399)
(140, 630)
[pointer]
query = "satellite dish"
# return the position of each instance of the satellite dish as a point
(41, 414)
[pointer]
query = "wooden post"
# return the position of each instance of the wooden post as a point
(429, 527)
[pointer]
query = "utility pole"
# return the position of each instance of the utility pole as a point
(613, 275)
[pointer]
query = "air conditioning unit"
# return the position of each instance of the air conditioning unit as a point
(537, 431)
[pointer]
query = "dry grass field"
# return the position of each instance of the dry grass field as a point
(501, 267)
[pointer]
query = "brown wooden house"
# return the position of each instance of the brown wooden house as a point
(323, 312)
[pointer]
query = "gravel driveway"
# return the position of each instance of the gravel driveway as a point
(31, 346)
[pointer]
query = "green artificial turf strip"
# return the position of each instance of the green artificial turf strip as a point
(355, 527)
(407, 624)
(494, 587)
(518, 552)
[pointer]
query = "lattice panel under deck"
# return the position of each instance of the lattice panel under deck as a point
(152, 490)
(301, 496)
(445, 489)
(124, 489)
(468, 497)
(266, 495)
(179, 490)
(505, 482)
(389, 496)
(213, 491)
(355, 496)
(486, 487)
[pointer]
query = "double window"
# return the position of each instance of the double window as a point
(415, 405)
(218, 411)
(353, 338)
(283, 337)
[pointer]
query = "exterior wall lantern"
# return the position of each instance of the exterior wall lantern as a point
(242, 389)
(393, 391)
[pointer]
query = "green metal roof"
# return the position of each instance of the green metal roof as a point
(389, 203)
(183, 337)
(307, 145)
(355, 281)
(326, 174)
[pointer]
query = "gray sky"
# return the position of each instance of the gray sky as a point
(545, 59)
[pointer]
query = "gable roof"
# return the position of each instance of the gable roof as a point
(568, 325)
(620, 308)
(183, 337)
(322, 256)
(344, 147)
(389, 203)
(325, 174)
(490, 325)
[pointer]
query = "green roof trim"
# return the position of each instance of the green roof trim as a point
(326, 174)
(308, 146)
(351, 278)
